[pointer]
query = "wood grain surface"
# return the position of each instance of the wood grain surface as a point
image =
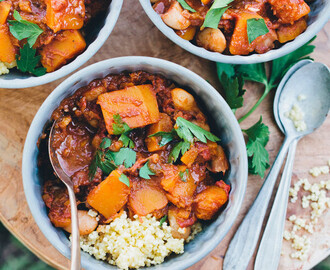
(135, 34)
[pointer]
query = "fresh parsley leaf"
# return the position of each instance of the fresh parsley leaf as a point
(281, 65)
(124, 156)
(180, 147)
(233, 88)
(253, 72)
(22, 29)
(106, 142)
(28, 61)
(187, 130)
(162, 220)
(124, 179)
(119, 126)
(214, 14)
(102, 161)
(258, 136)
(256, 28)
(184, 4)
(166, 137)
(184, 175)
(145, 171)
(127, 141)
(228, 69)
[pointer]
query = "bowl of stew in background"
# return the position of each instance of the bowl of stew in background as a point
(222, 122)
(92, 36)
(211, 42)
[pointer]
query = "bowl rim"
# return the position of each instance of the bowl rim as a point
(109, 23)
(287, 48)
(43, 112)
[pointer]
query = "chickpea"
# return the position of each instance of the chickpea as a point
(174, 17)
(212, 39)
(87, 224)
(183, 100)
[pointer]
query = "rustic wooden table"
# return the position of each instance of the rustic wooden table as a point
(135, 34)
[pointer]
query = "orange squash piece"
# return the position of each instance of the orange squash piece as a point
(164, 124)
(65, 14)
(146, 197)
(190, 156)
(59, 51)
(109, 196)
(7, 49)
(289, 11)
(208, 202)
(137, 106)
(289, 32)
(187, 34)
(4, 11)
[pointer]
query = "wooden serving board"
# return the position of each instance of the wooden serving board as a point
(135, 34)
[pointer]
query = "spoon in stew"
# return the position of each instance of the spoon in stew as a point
(75, 237)
(304, 78)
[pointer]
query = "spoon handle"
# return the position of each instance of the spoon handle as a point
(243, 244)
(268, 258)
(75, 239)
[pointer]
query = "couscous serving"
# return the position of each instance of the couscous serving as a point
(145, 168)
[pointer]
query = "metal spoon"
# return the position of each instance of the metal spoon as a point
(245, 240)
(316, 107)
(75, 237)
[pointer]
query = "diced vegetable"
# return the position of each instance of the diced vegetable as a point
(146, 197)
(65, 14)
(190, 156)
(219, 162)
(7, 49)
(187, 34)
(173, 216)
(164, 124)
(67, 45)
(209, 201)
(94, 93)
(4, 11)
(109, 196)
(291, 31)
(136, 105)
(183, 100)
(87, 224)
(289, 11)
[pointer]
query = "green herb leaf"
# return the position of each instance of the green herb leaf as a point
(233, 88)
(27, 61)
(186, 6)
(180, 147)
(119, 126)
(106, 142)
(213, 16)
(124, 156)
(184, 175)
(102, 161)
(253, 72)
(166, 137)
(256, 28)
(228, 69)
(187, 130)
(22, 29)
(258, 136)
(145, 171)
(127, 141)
(124, 179)
(162, 220)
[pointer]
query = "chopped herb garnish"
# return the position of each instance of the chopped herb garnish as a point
(184, 175)
(180, 147)
(256, 28)
(214, 14)
(27, 61)
(162, 220)
(124, 179)
(145, 171)
(127, 141)
(106, 142)
(184, 4)
(166, 137)
(22, 29)
(119, 126)
(103, 161)
(125, 156)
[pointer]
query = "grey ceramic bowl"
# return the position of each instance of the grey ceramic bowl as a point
(224, 124)
(320, 14)
(95, 38)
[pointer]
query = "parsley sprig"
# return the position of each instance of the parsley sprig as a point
(122, 129)
(184, 4)
(214, 14)
(145, 171)
(232, 78)
(186, 132)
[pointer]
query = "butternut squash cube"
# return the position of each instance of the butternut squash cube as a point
(291, 31)
(7, 49)
(137, 106)
(109, 196)
(66, 46)
(65, 14)
(4, 11)
(164, 124)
